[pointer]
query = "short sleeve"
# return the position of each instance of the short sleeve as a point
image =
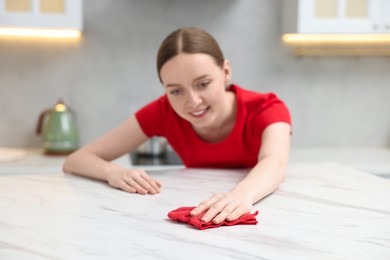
(270, 110)
(151, 118)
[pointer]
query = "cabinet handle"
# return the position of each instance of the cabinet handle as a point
(376, 27)
(387, 27)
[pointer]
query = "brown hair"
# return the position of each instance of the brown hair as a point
(188, 40)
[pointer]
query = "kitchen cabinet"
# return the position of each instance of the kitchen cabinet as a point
(337, 27)
(49, 14)
(338, 16)
(386, 15)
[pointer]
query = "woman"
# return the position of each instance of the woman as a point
(207, 121)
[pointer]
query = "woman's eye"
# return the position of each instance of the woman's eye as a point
(204, 84)
(175, 92)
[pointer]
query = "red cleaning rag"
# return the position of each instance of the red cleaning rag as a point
(182, 214)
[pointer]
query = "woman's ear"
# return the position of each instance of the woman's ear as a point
(227, 72)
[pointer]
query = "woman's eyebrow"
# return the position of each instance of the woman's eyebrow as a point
(196, 79)
(172, 85)
(201, 77)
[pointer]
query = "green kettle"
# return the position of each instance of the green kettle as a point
(59, 131)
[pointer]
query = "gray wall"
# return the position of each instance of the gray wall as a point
(108, 75)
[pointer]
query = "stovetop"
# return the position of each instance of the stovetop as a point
(168, 158)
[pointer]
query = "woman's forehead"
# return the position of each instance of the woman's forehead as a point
(188, 67)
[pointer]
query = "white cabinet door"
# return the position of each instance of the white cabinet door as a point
(386, 16)
(340, 16)
(64, 14)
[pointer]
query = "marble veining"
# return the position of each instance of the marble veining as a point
(321, 211)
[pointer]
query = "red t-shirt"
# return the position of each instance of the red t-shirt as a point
(255, 111)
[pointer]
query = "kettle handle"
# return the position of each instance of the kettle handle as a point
(40, 121)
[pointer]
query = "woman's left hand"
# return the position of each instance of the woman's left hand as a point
(224, 206)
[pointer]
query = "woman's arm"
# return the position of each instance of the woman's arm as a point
(262, 180)
(94, 160)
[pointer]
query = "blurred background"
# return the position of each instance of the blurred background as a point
(110, 72)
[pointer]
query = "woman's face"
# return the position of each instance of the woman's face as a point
(195, 87)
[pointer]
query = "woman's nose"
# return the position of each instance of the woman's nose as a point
(194, 98)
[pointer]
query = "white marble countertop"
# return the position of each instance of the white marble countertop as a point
(35, 161)
(321, 211)
(374, 160)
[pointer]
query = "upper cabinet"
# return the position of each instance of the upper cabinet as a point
(386, 15)
(337, 27)
(52, 14)
(338, 16)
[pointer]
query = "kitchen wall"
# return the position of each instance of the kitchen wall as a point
(110, 73)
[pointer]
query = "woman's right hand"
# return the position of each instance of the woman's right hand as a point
(133, 181)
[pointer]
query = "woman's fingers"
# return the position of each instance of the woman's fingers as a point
(205, 205)
(238, 212)
(135, 185)
(126, 187)
(224, 214)
(213, 206)
(143, 183)
(135, 181)
(151, 184)
(220, 210)
(222, 207)
(232, 212)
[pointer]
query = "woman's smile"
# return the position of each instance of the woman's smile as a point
(200, 113)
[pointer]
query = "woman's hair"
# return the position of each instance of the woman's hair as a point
(188, 40)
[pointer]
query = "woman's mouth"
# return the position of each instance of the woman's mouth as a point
(200, 113)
